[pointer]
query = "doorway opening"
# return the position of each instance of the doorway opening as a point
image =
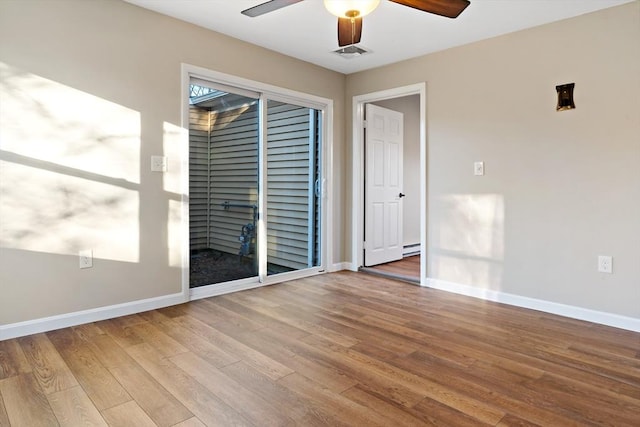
(410, 100)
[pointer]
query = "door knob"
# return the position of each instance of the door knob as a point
(401, 195)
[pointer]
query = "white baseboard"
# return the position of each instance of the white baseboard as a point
(600, 317)
(339, 266)
(45, 324)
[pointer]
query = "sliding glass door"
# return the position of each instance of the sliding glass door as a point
(255, 174)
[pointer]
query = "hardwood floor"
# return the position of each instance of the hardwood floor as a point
(342, 349)
(407, 269)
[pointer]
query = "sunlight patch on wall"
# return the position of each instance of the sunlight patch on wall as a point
(48, 121)
(56, 213)
(69, 170)
(174, 233)
(174, 140)
(468, 239)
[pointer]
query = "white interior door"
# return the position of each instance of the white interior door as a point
(383, 185)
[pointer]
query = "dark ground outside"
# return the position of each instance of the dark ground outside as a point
(210, 266)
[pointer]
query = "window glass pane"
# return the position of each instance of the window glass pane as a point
(223, 185)
(293, 176)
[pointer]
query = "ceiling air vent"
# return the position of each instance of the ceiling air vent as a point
(351, 51)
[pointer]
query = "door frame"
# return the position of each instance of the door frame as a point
(267, 91)
(357, 167)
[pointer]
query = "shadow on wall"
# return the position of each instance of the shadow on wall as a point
(468, 240)
(67, 156)
(71, 177)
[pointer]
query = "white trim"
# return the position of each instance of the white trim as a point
(250, 283)
(423, 184)
(339, 266)
(326, 187)
(45, 324)
(293, 275)
(224, 288)
(184, 179)
(270, 91)
(357, 145)
(573, 312)
(261, 230)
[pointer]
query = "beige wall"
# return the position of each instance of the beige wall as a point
(90, 90)
(560, 188)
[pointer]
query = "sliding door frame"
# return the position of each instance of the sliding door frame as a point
(267, 92)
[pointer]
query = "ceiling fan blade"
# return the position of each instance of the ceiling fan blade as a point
(267, 7)
(448, 8)
(349, 32)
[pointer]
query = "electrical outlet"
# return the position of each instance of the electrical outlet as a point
(86, 258)
(605, 264)
(478, 168)
(158, 163)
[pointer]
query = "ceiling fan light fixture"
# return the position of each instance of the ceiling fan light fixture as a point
(350, 8)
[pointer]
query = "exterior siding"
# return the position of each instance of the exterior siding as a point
(198, 173)
(233, 175)
(226, 170)
(288, 161)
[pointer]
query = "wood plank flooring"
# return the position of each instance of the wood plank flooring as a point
(342, 349)
(407, 269)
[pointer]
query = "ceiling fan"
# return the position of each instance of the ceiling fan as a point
(350, 12)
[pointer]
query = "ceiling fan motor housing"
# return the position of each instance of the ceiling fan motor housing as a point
(352, 13)
(350, 8)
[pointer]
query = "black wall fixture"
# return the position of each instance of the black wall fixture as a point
(565, 97)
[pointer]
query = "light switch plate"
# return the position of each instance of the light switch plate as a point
(158, 164)
(478, 168)
(605, 264)
(86, 258)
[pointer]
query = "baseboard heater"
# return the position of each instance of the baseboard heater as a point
(410, 250)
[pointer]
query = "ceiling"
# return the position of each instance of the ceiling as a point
(391, 33)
